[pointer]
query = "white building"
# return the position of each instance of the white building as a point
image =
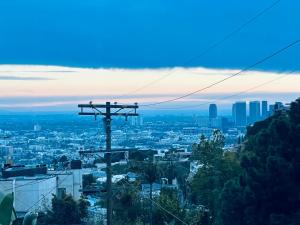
(37, 127)
(70, 181)
(30, 193)
(34, 188)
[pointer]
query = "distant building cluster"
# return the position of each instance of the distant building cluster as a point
(59, 153)
(242, 115)
(257, 111)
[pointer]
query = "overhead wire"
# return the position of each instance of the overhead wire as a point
(291, 44)
(234, 95)
(210, 47)
(48, 193)
(161, 207)
(22, 185)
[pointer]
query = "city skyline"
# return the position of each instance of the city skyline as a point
(149, 112)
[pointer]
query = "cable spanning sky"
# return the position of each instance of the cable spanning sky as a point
(56, 53)
(55, 88)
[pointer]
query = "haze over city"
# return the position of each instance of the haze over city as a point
(50, 88)
(149, 112)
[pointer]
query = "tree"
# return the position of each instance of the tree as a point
(64, 210)
(207, 151)
(87, 180)
(182, 170)
(54, 162)
(169, 200)
(195, 215)
(83, 205)
(128, 208)
(233, 208)
(268, 190)
(63, 159)
(7, 214)
(217, 167)
(151, 176)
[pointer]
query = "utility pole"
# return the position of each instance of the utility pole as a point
(151, 201)
(151, 175)
(107, 118)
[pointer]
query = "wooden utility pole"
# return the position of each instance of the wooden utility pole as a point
(96, 111)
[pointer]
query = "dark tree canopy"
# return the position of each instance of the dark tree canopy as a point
(268, 192)
(65, 210)
(217, 167)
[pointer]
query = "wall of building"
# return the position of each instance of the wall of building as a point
(30, 193)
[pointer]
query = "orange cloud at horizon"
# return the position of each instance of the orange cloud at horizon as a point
(119, 84)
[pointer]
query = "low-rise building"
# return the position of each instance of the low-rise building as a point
(32, 188)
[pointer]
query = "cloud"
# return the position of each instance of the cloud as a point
(198, 101)
(51, 71)
(65, 90)
(23, 78)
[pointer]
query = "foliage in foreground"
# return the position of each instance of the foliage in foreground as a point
(65, 210)
(268, 192)
(217, 167)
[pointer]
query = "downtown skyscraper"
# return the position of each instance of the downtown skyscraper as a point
(254, 112)
(239, 114)
(264, 109)
(213, 111)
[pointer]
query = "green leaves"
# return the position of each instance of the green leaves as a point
(65, 210)
(30, 219)
(268, 192)
(209, 150)
(151, 173)
(6, 209)
(169, 200)
(217, 168)
(128, 205)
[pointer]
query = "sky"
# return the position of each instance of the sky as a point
(56, 53)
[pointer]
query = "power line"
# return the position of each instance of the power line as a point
(22, 185)
(157, 204)
(236, 94)
(161, 207)
(229, 77)
(48, 193)
(210, 47)
(169, 212)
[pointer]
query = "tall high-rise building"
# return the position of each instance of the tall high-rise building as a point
(264, 109)
(213, 111)
(239, 114)
(254, 111)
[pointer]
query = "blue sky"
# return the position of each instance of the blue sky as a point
(146, 33)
